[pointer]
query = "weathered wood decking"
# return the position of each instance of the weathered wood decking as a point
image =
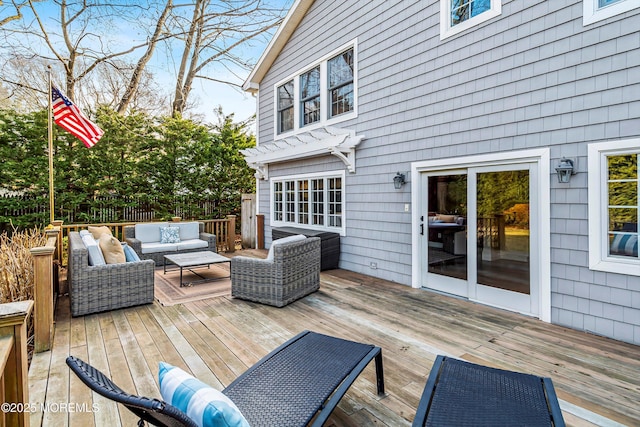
(597, 379)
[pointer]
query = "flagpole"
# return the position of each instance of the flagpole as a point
(50, 138)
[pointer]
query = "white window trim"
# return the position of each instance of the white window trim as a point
(446, 30)
(325, 120)
(599, 258)
(592, 13)
(330, 174)
(539, 155)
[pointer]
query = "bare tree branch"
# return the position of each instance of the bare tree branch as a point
(142, 62)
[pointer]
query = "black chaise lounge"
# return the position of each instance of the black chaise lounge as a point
(304, 379)
(460, 393)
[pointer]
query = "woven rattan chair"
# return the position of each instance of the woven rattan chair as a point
(291, 271)
(154, 411)
(301, 381)
(460, 393)
(105, 287)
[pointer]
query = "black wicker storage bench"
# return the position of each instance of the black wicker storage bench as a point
(329, 243)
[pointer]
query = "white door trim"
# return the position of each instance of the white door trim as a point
(542, 157)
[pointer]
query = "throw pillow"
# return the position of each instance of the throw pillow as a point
(129, 254)
(169, 235)
(206, 406)
(446, 218)
(111, 250)
(625, 244)
(97, 232)
(95, 254)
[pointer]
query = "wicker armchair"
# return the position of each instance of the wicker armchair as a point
(291, 271)
(105, 287)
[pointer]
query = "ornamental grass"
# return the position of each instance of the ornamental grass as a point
(17, 271)
(16, 264)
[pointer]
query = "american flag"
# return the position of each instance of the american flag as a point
(69, 117)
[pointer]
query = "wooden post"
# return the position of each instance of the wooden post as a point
(43, 293)
(15, 371)
(57, 225)
(260, 231)
(248, 223)
(231, 233)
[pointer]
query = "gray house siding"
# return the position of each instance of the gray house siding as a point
(532, 77)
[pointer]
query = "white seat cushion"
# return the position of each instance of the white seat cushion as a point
(154, 247)
(191, 244)
(149, 232)
(94, 251)
(188, 230)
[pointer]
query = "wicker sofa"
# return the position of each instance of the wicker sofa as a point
(144, 238)
(290, 271)
(105, 287)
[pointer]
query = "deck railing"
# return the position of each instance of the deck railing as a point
(45, 262)
(14, 371)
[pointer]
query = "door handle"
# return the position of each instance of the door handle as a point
(422, 229)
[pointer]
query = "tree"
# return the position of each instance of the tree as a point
(78, 38)
(139, 157)
(84, 40)
(12, 12)
(213, 34)
(137, 74)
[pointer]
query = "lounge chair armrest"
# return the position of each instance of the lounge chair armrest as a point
(210, 239)
(135, 244)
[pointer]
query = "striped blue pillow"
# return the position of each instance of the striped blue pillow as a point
(206, 406)
(625, 244)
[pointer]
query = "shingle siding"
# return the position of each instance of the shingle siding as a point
(532, 77)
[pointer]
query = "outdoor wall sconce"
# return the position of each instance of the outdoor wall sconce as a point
(565, 170)
(398, 181)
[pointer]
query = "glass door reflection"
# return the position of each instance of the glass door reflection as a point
(503, 230)
(447, 225)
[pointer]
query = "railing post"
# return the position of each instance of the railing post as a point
(43, 292)
(231, 233)
(57, 225)
(260, 231)
(15, 371)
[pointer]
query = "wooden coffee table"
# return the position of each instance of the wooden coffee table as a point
(191, 260)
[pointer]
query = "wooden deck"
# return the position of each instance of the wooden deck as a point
(597, 379)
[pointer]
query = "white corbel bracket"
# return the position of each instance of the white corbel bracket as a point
(347, 157)
(262, 171)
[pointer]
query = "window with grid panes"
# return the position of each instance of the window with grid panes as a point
(340, 72)
(614, 206)
(310, 96)
(285, 107)
(315, 201)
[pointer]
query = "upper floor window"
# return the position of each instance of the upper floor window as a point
(310, 96)
(285, 107)
(341, 83)
(458, 15)
(614, 206)
(597, 10)
(322, 94)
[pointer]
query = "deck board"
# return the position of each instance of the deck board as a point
(597, 379)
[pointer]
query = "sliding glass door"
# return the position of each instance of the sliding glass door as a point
(478, 234)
